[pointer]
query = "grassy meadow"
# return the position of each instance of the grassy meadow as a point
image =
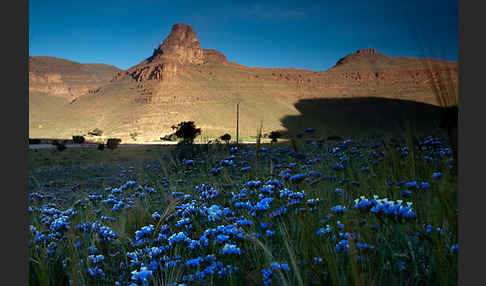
(360, 211)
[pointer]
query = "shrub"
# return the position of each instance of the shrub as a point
(226, 138)
(134, 135)
(187, 131)
(78, 139)
(55, 142)
(34, 141)
(95, 132)
(113, 143)
(61, 147)
(101, 146)
(274, 135)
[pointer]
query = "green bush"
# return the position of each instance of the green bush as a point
(113, 143)
(34, 141)
(274, 135)
(77, 139)
(187, 131)
(226, 138)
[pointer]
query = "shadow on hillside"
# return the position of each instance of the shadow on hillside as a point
(366, 116)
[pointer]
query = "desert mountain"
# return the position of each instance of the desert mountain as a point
(67, 79)
(181, 81)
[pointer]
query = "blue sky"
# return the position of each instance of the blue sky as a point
(300, 34)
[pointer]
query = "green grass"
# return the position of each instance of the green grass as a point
(43, 158)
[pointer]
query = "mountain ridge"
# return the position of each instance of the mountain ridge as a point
(182, 81)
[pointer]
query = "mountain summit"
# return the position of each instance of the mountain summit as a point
(181, 45)
(180, 48)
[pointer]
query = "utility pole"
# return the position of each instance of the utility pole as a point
(237, 119)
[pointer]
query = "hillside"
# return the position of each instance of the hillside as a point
(181, 81)
(67, 79)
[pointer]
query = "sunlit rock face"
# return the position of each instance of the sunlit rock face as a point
(180, 48)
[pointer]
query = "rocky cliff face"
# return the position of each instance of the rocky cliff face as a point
(180, 48)
(213, 56)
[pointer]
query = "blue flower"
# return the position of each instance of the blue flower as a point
(327, 229)
(142, 275)
(266, 276)
(188, 162)
(342, 245)
(106, 233)
(340, 225)
(96, 258)
(178, 237)
(318, 260)
(406, 193)
(412, 185)
(156, 215)
(215, 171)
(297, 178)
(338, 209)
(144, 231)
(60, 223)
(214, 213)
(264, 204)
(269, 233)
(279, 266)
(401, 265)
(196, 262)
(244, 169)
(94, 271)
(424, 185)
(244, 222)
(221, 238)
(194, 244)
(338, 191)
(230, 249)
(253, 184)
(436, 175)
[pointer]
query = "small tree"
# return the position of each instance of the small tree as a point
(187, 131)
(226, 138)
(274, 135)
(113, 143)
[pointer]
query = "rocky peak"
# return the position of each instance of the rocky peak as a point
(368, 51)
(362, 56)
(182, 45)
(180, 48)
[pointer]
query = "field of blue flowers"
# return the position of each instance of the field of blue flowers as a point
(354, 212)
